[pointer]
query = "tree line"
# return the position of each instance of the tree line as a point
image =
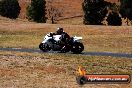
(36, 11)
(94, 11)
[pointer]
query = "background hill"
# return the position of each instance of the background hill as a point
(70, 8)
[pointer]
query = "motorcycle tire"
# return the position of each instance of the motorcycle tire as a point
(77, 47)
(44, 47)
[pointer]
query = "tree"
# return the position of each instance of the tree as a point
(94, 11)
(113, 16)
(114, 19)
(53, 12)
(114, 7)
(9, 8)
(36, 11)
(126, 9)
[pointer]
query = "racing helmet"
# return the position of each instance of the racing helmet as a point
(59, 30)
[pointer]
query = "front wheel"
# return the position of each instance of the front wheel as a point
(77, 47)
(44, 47)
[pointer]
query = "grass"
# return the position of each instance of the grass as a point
(33, 70)
(95, 38)
(73, 21)
(56, 70)
(93, 64)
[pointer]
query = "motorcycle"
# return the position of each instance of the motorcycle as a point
(54, 43)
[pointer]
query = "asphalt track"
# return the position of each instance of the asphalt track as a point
(83, 53)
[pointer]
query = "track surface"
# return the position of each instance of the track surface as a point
(84, 53)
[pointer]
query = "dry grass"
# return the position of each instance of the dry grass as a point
(95, 38)
(26, 70)
(59, 70)
(32, 70)
(73, 21)
(69, 8)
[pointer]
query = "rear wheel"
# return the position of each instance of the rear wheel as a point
(77, 47)
(44, 47)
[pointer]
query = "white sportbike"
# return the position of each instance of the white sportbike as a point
(54, 43)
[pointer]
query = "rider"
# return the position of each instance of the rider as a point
(64, 36)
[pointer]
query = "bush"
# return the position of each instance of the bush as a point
(94, 11)
(9, 8)
(36, 11)
(126, 9)
(114, 19)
